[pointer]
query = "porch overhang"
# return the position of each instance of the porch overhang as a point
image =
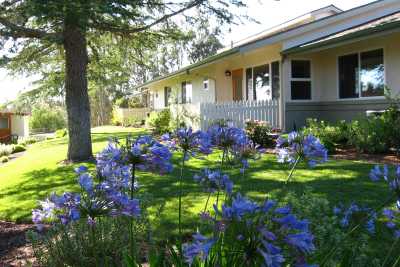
(382, 26)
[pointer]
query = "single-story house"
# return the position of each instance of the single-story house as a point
(328, 64)
(13, 125)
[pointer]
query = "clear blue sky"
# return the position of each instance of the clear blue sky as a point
(268, 12)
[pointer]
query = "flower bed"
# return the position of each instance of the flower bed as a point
(108, 223)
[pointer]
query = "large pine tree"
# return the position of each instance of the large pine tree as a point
(31, 29)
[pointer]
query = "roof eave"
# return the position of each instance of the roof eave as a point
(367, 32)
(202, 63)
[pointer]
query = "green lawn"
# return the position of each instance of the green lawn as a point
(33, 176)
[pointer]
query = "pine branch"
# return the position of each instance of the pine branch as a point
(104, 27)
(15, 31)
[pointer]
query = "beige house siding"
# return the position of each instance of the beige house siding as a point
(20, 125)
(199, 94)
(265, 55)
(325, 67)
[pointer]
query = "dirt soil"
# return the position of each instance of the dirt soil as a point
(353, 154)
(14, 248)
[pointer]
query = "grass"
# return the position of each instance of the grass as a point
(37, 173)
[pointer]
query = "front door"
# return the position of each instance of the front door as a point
(237, 84)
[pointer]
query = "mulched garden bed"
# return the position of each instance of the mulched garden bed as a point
(14, 248)
(353, 154)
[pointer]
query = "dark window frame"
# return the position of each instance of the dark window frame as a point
(301, 80)
(7, 122)
(358, 75)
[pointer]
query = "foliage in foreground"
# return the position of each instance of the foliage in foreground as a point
(236, 231)
(377, 133)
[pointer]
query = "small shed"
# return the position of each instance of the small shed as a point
(13, 124)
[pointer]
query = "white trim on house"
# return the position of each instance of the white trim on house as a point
(312, 96)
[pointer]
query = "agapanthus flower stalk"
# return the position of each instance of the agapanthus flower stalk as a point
(298, 147)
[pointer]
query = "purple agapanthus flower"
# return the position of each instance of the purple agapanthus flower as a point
(266, 228)
(299, 147)
(376, 174)
(347, 216)
(200, 248)
(392, 221)
(188, 141)
(302, 241)
(213, 181)
(106, 198)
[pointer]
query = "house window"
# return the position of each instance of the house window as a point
(300, 83)
(186, 92)
(258, 83)
(276, 79)
(361, 75)
(167, 96)
(3, 123)
(205, 84)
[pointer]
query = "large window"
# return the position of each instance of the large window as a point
(186, 92)
(362, 75)
(258, 83)
(276, 79)
(3, 123)
(167, 96)
(300, 83)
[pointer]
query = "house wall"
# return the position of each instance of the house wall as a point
(264, 55)
(20, 125)
(199, 94)
(325, 103)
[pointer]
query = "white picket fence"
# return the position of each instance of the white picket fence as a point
(239, 111)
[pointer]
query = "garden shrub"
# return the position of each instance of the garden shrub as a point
(27, 141)
(61, 133)
(18, 148)
(260, 132)
(47, 119)
(81, 244)
(160, 121)
(5, 150)
(330, 134)
(371, 135)
(4, 159)
(335, 245)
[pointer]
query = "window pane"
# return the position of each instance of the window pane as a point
(249, 84)
(167, 96)
(183, 92)
(301, 69)
(348, 76)
(275, 79)
(188, 92)
(3, 123)
(261, 84)
(301, 90)
(372, 73)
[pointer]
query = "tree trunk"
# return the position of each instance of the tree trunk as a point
(76, 97)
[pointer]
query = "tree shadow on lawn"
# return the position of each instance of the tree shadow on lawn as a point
(337, 181)
(97, 137)
(36, 186)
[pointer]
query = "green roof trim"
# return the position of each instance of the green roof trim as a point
(192, 66)
(336, 40)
